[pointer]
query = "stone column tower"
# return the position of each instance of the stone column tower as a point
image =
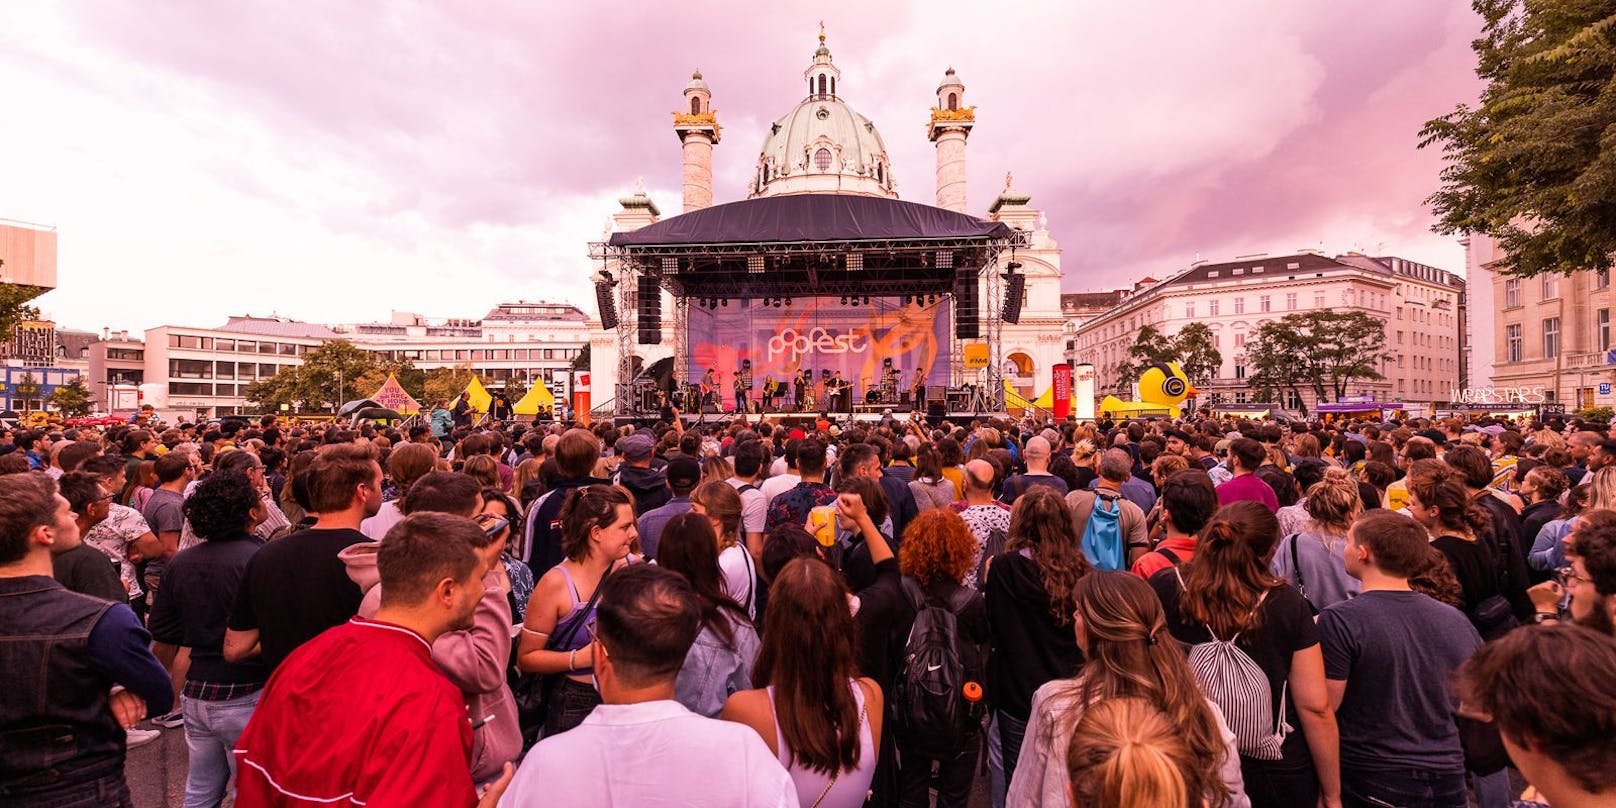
(951, 123)
(697, 128)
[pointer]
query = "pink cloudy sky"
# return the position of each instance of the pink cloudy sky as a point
(336, 161)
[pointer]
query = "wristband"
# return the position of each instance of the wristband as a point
(572, 660)
(1543, 617)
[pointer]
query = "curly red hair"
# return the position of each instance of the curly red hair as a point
(938, 546)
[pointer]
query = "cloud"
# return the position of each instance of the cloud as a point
(335, 162)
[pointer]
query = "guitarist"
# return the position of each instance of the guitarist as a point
(709, 389)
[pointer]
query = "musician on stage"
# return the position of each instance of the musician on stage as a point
(740, 394)
(799, 388)
(836, 392)
(917, 391)
(709, 389)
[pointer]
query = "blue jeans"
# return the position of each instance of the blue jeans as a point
(211, 730)
(1005, 733)
(1406, 788)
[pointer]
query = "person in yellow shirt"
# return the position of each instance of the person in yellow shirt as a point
(1417, 448)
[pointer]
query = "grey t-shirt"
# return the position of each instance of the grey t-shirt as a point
(1397, 652)
(164, 513)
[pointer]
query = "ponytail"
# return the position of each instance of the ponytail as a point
(1228, 575)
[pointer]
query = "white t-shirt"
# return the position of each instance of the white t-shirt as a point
(738, 571)
(777, 485)
(754, 505)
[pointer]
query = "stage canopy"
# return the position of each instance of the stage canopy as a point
(812, 244)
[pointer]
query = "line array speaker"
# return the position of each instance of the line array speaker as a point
(608, 306)
(649, 316)
(967, 317)
(1015, 290)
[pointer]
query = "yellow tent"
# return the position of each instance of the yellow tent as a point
(1012, 398)
(393, 397)
(476, 395)
(538, 397)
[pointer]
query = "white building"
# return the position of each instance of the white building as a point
(1420, 305)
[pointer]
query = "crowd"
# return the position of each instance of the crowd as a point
(1192, 612)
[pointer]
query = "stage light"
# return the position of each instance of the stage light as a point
(844, 300)
(788, 301)
(725, 302)
(755, 263)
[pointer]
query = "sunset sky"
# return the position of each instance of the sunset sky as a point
(335, 161)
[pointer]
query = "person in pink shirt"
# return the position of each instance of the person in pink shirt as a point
(1245, 455)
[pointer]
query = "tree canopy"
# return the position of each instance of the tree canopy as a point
(331, 374)
(1533, 164)
(1191, 348)
(1325, 351)
(74, 399)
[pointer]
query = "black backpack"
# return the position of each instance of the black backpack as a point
(933, 716)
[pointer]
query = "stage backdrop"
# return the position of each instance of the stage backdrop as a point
(820, 334)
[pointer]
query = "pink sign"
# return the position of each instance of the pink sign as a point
(1062, 395)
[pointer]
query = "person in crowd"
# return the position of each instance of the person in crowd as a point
(405, 465)
(1589, 579)
(1557, 733)
(783, 476)
(1227, 594)
(367, 695)
(820, 718)
(1029, 594)
(719, 662)
(79, 670)
(864, 460)
(1460, 529)
(1115, 472)
(175, 472)
(1188, 502)
(123, 536)
(1547, 553)
(1313, 559)
(682, 474)
(1128, 654)
(1389, 655)
(599, 533)
(1307, 473)
(1540, 491)
(1036, 454)
(642, 746)
(501, 515)
(1246, 456)
(200, 587)
(929, 488)
(987, 517)
(737, 567)
(792, 506)
(83, 568)
(575, 458)
(939, 551)
(647, 484)
(1129, 754)
(749, 458)
(296, 587)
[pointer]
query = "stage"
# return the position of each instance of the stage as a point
(808, 420)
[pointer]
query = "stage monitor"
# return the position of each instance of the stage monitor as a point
(822, 336)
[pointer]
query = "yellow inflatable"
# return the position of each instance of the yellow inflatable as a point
(1162, 390)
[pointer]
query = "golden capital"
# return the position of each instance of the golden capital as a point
(940, 115)
(695, 119)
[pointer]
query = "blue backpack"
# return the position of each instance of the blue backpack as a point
(1102, 534)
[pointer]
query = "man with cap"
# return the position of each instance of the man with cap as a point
(648, 485)
(683, 475)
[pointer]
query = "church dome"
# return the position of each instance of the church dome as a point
(823, 145)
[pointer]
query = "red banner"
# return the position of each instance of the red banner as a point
(1062, 395)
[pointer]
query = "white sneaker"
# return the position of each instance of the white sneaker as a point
(140, 737)
(170, 720)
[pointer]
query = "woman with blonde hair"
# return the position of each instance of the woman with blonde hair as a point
(721, 504)
(484, 469)
(1126, 753)
(717, 468)
(1128, 654)
(1083, 452)
(1314, 558)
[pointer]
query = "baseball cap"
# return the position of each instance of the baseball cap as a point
(683, 473)
(636, 447)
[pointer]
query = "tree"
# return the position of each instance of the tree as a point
(270, 392)
(28, 389)
(410, 377)
(73, 399)
(330, 373)
(1325, 351)
(581, 361)
(1197, 357)
(1533, 164)
(14, 306)
(443, 384)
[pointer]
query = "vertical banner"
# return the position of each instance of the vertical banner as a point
(580, 396)
(1061, 384)
(1083, 390)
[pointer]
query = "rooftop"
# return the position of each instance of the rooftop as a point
(278, 327)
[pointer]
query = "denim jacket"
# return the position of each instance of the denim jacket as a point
(713, 670)
(1548, 551)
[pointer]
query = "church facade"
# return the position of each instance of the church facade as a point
(824, 146)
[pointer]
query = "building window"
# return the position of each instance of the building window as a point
(1239, 305)
(1399, 338)
(1318, 300)
(1212, 308)
(1512, 293)
(1551, 286)
(953, 102)
(1602, 323)
(821, 83)
(1290, 302)
(1240, 340)
(1263, 304)
(1189, 310)
(1512, 342)
(1601, 279)
(1239, 371)
(1551, 338)
(822, 160)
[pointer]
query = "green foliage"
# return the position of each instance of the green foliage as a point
(1191, 348)
(1325, 351)
(73, 398)
(1534, 163)
(443, 384)
(14, 306)
(581, 361)
(1601, 414)
(28, 391)
(331, 374)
